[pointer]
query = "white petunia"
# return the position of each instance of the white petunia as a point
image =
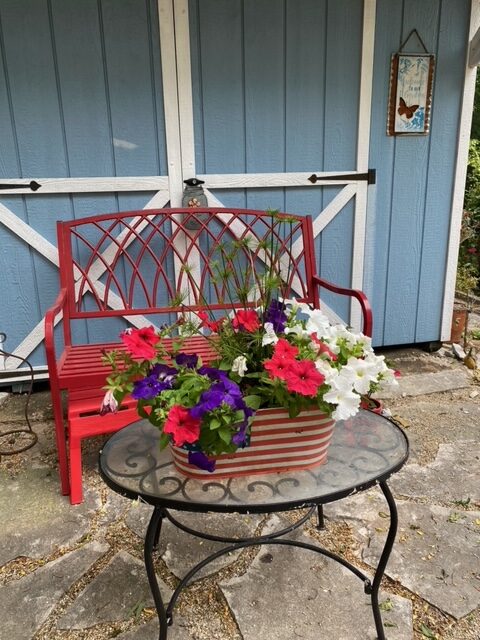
(362, 372)
(296, 329)
(239, 365)
(342, 395)
(318, 323)
(269, 337)
(323, 366)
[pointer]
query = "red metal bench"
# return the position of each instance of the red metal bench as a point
(136, 265)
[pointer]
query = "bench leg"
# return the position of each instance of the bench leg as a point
(75, 459)
(60, 438)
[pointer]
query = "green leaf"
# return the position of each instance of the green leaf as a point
(215, 423)
(164, 440)
(253, 401)
(426, 632)
(386, 605)
(225, 435)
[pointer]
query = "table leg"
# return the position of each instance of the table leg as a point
(387, 549)
(151, 541)
(320, 518)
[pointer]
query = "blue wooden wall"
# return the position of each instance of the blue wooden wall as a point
(409, 226)
(267, 98)
(275, 85)
(80, 96)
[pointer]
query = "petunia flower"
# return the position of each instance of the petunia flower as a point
(344, 397)
(269, 337)
(361, 372)
(322, 348)
(303, 378)
(239, 365)
(283, 349)
(148, 387)
(275, 314)
(246, 319)
(213, 325)
(140, 342)
(200, 460)
(212, 373)
(109, 404)
(186, 360)
(182, 426)
(278, 367)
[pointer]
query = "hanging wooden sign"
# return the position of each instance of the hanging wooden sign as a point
(410, 98)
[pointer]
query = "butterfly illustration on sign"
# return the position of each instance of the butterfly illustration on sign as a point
(410, 96)
(403, 110)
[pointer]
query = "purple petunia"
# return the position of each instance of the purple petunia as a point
(161, 377)
(222, 392)
(200, 460)
(209, 401)
(212, 373)
(239, 439)
(163, 372)
(147, 388)
(186, 360)
(276, 315)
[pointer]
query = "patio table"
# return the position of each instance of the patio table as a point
(365, 451)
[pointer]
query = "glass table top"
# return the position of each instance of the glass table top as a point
(364, 450)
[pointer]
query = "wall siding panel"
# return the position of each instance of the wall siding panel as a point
(72, 110)
(382, 158)
(441, 168)
(407, 231)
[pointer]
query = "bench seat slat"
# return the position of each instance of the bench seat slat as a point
(83, 367)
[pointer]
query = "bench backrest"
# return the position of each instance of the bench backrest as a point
(166, 260)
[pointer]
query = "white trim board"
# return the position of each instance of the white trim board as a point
(459, 183)
(88, 185)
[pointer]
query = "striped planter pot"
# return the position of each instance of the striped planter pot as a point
(277, 443)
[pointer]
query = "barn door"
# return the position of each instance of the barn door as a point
(83, 132)
(274, 112)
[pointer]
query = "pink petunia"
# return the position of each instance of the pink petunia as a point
(279, 367)
(322, 347)
(283, 349)
(213, 325)
(246, 319)
(182, 426)
(140, 342)
(303, 378)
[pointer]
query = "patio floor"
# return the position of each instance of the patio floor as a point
(75, 573)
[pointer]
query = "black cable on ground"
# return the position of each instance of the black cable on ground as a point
(11, 436)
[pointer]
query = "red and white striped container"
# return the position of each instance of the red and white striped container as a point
(277, 443)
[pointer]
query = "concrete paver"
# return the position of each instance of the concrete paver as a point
(28, 530)
(289, 592)
(180, 550)
(436, 554)
(425, 383)
(439, 480)
(117, 593)
(27, 603)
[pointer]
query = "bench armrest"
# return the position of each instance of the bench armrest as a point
(50, 316)
(354, 293)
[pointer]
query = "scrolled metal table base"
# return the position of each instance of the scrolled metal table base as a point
(371, 587)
